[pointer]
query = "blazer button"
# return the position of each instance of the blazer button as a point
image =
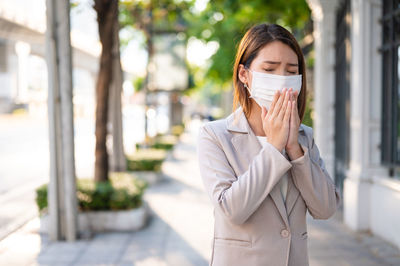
(284, 233)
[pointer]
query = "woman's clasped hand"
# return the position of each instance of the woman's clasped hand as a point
(281, 122)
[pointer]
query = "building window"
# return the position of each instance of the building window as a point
(391, 84)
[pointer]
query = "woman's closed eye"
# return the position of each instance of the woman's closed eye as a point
(269, 70)
(272, 70)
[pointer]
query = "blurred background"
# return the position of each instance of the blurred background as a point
(101, 101)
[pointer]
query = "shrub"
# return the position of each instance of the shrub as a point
(165, 142)
(162, 142)
(122, 192)
(177, 130)
(41, 197)
(146, 160)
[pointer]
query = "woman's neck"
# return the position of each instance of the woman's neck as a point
(255, 121)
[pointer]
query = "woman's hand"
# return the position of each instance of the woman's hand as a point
(276, 120)
(293, 147)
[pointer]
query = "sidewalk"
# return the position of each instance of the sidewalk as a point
(181, 229)
(331, 243)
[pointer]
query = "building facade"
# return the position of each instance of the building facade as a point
(357, 107)
(23, 70)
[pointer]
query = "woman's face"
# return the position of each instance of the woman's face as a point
(274, 58)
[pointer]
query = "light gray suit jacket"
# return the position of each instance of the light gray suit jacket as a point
(253, 225)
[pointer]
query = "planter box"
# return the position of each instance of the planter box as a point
(150, 177)
(106, 221)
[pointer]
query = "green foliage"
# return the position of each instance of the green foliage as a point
(162, 142)
(223, 22)
(165, 142)
(73, 4)
(122, 192)
(177, 130)
(162, 146)
(310, 61)
(138, 83)
(146, 160)
(308, 115)
(226, 22)
(41, 197)
(154, 15)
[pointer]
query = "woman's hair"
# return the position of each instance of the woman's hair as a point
(252, 42)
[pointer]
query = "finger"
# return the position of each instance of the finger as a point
(276, 97)
(279, 103)
(293, 115)
(296, 117)
(291, 98)
(263, 112)
(296, 105)
(296, 110)
(288, 112)
(285, 104)
(296, 95)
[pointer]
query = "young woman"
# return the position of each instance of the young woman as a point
(260, 165)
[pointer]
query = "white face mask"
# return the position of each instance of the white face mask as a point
(264, 86)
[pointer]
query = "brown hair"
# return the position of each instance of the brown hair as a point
(252, 42)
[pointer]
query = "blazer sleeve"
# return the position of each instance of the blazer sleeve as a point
(237, 197)
(314, 183)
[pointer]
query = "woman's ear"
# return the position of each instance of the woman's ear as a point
(243, 74)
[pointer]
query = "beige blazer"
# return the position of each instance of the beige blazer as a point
(253, 225)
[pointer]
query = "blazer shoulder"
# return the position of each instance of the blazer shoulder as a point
(308, 133)
(214, 128)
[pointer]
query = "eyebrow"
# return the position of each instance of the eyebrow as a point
(277, 63)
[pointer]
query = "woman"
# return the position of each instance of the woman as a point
(260, 165)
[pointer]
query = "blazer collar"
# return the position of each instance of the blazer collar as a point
(237, 122)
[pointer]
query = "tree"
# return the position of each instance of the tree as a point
(107, 13)
(118, 160)
(225, 21)
(154, 17)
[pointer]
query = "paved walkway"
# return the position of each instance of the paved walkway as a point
(180, 231)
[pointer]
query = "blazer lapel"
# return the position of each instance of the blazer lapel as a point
(280, 205)
(293, 192)
(292, 195)
(244, 140)
(247, 145)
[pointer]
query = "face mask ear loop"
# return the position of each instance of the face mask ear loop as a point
(245, 85)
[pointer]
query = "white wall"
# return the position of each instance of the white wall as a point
(371, 199)
(385, 209)
(324, 14)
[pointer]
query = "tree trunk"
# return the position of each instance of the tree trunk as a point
(106, 10)
(149, 75)
(118, 161)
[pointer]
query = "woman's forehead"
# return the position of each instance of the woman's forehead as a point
(277, 52)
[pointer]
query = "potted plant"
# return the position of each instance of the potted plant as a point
(114, 205)
(146, 164)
